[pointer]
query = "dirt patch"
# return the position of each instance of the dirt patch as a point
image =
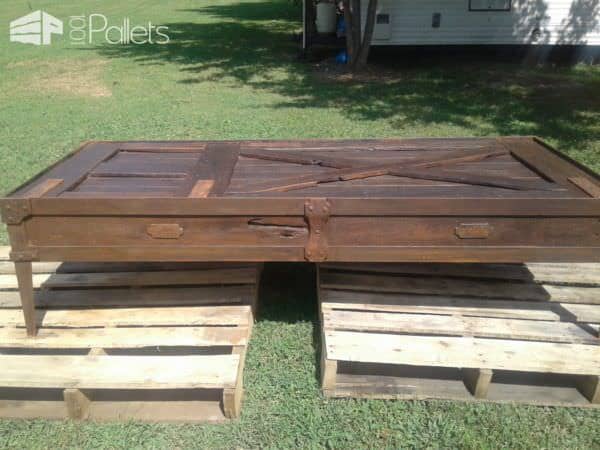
(330, 71)
(80, 78)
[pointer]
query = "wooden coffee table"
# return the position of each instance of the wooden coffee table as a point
(412, 200)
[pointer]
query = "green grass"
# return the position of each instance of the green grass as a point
(231, 72)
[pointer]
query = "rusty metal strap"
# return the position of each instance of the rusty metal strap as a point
(316, 212)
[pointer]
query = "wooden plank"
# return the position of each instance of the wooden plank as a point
(337, 162)
(118, 372)
(162, 146)
(78, 404)
(478, 381)
(232, 397)
(425, 144)
(202, 188)
(167, 207)
(552, 273)
(390, 232)
(551, 166)
(175, 253)
(467, 306)
(222, 158)
(463, 352)
(463, 254)
(145, 266)
(107, 297)
(208, 231)
(348, 170)
(589, 386)
(44, 187)
(304, 181)
(586, 186)
(311, 180)
(71, 169)
(473, 179)
(443, 383)
(182, 316)
(155, 407)
(167, 278)
(457, 207)
(459, 287)
(346, 190)
(534, 330)
(182, 336)
(452, 207)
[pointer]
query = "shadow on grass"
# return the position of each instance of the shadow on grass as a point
(251, 44)
(288, 293)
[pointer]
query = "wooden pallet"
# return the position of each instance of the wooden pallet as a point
(154, 342)
(505, 333)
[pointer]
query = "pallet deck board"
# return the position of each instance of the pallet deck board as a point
(467, 287)
(463, 352)
(460, 326)
(119, 372)
(155, 296)
(71, 280)
(463, 306)
(118, 317)
(557, 273)
(139, 337)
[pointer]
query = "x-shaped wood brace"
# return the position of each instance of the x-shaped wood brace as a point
(418, 168)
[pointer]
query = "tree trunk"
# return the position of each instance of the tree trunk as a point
(349, 31)
(365, 46)
(358, 43)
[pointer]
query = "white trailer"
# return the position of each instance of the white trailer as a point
(487, 22)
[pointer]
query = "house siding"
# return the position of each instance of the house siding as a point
(564, 22)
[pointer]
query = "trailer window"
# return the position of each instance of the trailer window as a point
(489, 5)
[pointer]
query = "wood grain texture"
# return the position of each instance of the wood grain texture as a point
(390, 201)
(119, 372)
(463, 352)
(463, 332)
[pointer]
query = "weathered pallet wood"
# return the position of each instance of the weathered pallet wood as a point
(475, 332)
(151, 342)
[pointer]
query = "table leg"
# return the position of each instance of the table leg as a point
(25, 279)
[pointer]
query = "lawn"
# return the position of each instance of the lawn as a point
(231, 71)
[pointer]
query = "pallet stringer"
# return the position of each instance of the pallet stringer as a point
(477, 381)
(77, 403)
(589, 386)
(232, 397)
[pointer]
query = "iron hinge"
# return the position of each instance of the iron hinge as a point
(316, 213)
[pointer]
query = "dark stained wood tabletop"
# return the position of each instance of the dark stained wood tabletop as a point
(420, 168)
(506, 199)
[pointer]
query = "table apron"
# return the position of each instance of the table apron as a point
(285, 238)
